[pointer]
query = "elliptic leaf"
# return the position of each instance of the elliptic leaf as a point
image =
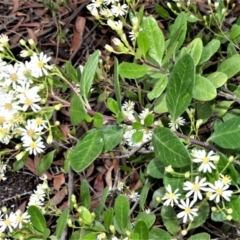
(88, 74)
(158, 88)
(155, 38)
(132, 70)
(77, 110)
(142, 229)
(86, 150)
(195, 49)
(62, 223)
(200, 236)
(230, 66)
(169, 149)
(203, 89)
(209, 50)
(37, 219)
(180, 86)
(158, 233)
(234, 204)
(217, 79)
(45, 162)
(227, 135)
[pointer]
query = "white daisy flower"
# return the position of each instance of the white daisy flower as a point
(180, 121)
(8, 222)
(119, 10)
(195, 188)
(219, 190)
(128, 105)
(39, 64)
(206, 160)
(21, 218)
(134, 196)
(225, 179)
(34, 146)
(145, 112)
(170, 196)
(188, 212)
(4, 39)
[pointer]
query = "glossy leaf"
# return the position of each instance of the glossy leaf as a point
(86, 216)
(227, 135)
(158, 88)
(112, 135)
(112, 105)
(143, 42)
(180, 86)
(86, 150)
(203, 89)
(149, 219)
(88, 236)
(209, 50)
(217, 79)
(142, 229)
(143, 195)
(169, 148)
(230, 66)
(89, 74)
(170, 220)
(98, 210)
(122, 209)
(195, 50)
(45, 162)
(85, 194)
(37, 219)
(97, 120)
(62, 223)
(201, 218)
(161, 106)
(77, 110)
(132, 70)
(156, 168)
(108, 217)
(234, 204)
(158, 233)
(155, 38)
(200, 236)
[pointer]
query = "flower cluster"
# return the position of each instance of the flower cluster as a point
(144, 134)
(38, 196)
(199, 188)
(21, 99)
(16, 220)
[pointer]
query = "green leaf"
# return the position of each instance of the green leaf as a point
(86, 216)
(200, 236)
(222, 107)
(88, 74)
(218, 216)
(97, 120)
(37, 219)
(209, 50)
(143, 42)
(98, 210)
(203, 89)
(71, 72)
(113, 105)
(75, 236)
(143, 195)
(170, 220)
(178, 31)
(142, 229)
(132, 70)
(45, 162)
(158, 233)
(149, 219)
(201, 218)
(155, 38)
(86, 150)
(234, 204)
(156, 168)
(116, 86)
(77, 110)
(88, 236)
(169, 148)
(161, 106)
(137, 137)
(230, 66)
(108, 217)
(205, 110)
(158, 88)
(227, 135)
(148, 120)
(62, 223)
(195, 50)
(122, 208)
(217, 79)
(85, 194)
(162, 12)
(235, 31)
(180, 86)
(112, 136)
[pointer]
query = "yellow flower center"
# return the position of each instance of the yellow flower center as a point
(30, 133)
(2, 119)
(33, 145)
(170, 195)
(29, 102)
(13, 77)
(205, 160)
(196, 187)
(219, 192)
(8, 106)
(40, 64)
(187, 210)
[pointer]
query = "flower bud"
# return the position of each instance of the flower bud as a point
(230, 211)
(184, 232)
(214, 209)
(229, 217)
(57, 123)
(20, 155)
(231, 159)
(109, 48)
(31, 42)
(158, 199)
(49, 139)
(73, 198)
(112, 229)
(69, 222)
(169, 169)
(22, 42)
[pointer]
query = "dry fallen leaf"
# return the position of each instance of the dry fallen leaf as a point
(58, 181)
(99, 184)
(65, 130)
(108, 177)
(59, 196)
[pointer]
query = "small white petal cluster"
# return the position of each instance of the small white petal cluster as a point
(20, 101)
(38, 197)
(174, 125)
(145, 133)
(107, 8)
